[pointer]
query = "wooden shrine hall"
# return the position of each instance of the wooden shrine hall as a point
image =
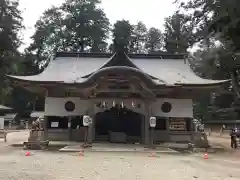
(120, 92)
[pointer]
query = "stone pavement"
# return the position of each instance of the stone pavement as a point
(16, 137)
(111, 147)
(220, 141)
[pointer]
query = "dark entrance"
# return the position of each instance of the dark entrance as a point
(118, 125)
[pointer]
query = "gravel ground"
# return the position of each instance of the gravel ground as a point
(14, 165)
(42, 165)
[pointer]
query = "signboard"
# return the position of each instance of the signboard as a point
(152, 122)
(87, 120)
(54, 124)
(178, 125)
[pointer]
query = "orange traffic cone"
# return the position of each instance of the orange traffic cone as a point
(205, 155)
(28, 153)
(152, 154)
(81, 152)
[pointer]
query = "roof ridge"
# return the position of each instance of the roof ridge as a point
(118, 59)
(162, 55)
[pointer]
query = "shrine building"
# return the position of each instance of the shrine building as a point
(4, 114)
(120, 93)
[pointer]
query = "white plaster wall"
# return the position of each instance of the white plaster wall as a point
(56, 106)
(1, 123)
(180, 108)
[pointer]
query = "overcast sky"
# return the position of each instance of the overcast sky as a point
(151, 12)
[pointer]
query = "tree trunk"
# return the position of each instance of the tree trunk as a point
(81, 45)
(235, 84)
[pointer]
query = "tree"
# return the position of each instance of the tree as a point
(12, 61)
(49, 36)
(86, 24)
(210, 63)
(219, 20)
(200, 106)
(138, 38)
(122, 35)
(30, 65)
(154, 40)
(216, 17)
(74, 26)
(10, 26)
(178, 36)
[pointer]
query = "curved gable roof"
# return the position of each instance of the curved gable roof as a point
(127, 71)
(119, 59)
(71, 68)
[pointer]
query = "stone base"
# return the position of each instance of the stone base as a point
(36, 140)
(36, 145)
(3, 134)
(86, 145)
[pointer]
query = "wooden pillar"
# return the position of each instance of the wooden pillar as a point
(192, 128)
(10, 124)
(22, 124)
(69, 128)
(89, 137)
(142, 130)
(146, 134)
(91, 126)
(45, 128)
(146, 124)
(168, 130)
(26, 124)
(40, 132)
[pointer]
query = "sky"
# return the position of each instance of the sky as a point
(151, 12)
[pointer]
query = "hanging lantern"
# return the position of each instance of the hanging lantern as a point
(152, 122)
(133, 104)
(87, 120)
(104, 104)
(122, 105)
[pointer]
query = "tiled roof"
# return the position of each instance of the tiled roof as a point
(73, 69)
(10, 117)
(172, 71)
(37, 114)
(5, 107)
(66, 69)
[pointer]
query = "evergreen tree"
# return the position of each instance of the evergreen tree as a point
(10, 27)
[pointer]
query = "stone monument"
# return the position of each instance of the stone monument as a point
(36, 136)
